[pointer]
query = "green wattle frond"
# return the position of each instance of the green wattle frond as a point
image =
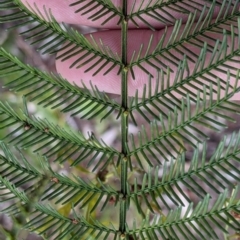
(191, 71)
(63, 143)
(77, 192)
(17, 170)
(197, 221)
(181, 38)
(200, 78)
(184, 129)
(21, 172)
(163, 11)
(106, 9)
(211, 172)
(17, 167)
(52, 90)
(58, 37)
(61, 226)
(47, 218)
(9, 192)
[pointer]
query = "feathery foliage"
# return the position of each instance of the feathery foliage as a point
(167, 195)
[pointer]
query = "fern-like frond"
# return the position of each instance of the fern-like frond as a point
(9, 193)
(78, 191)
(53, 90)
(57, 38)
(202, 74)
(177, 131)
(47, 218)
(162, 11)
(106, 9)
(195, 62)
(22, 174)
(65, 144)
(20, 171)
(62, 226)
(211, 172)
(192, 34)
(195, 222)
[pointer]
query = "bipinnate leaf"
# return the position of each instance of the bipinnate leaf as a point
(162, 182)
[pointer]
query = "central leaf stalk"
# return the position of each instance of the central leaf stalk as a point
(124, 120)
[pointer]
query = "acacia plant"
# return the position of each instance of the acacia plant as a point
(190, 79)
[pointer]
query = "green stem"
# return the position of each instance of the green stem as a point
(124, 122)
